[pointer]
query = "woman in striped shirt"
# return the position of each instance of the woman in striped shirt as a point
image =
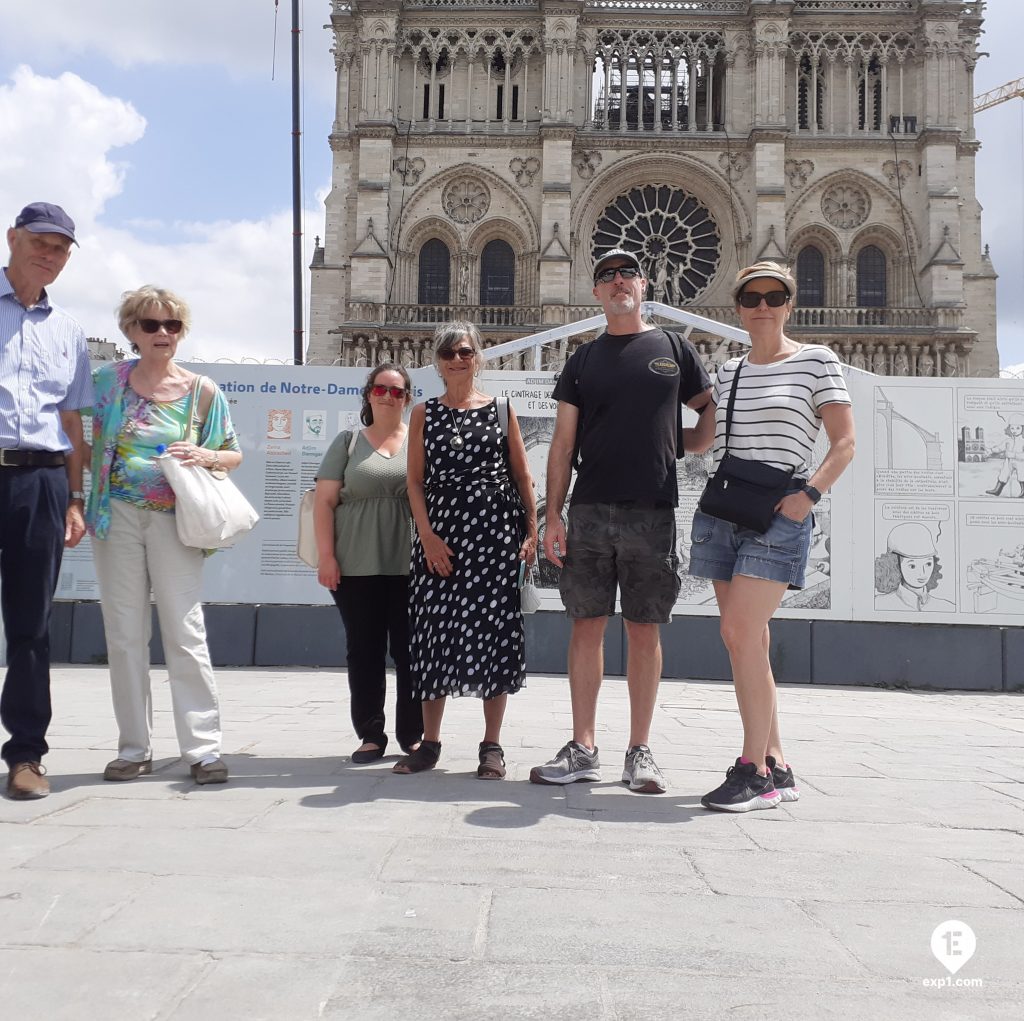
(786, 392)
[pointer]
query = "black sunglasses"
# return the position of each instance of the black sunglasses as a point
(606, 276)
(773, 299)
(465, 353)
(172, 326)
(380, 390)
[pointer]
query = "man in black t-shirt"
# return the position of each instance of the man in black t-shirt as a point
(621, 394)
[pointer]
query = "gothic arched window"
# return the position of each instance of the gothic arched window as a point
(810, 277)
(869, 96)
(871, 277)
(435, 273)
(806, 75)
(497, 274)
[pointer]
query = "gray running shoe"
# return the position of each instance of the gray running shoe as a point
(572, 763)
(641, 772)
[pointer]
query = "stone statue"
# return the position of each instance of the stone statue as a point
(950, 362)
(661, 278)
(858, 359)
(464, 280)
(925, 363)
(901, 363)
(878, 363)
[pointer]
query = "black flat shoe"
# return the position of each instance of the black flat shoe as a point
(369, 755)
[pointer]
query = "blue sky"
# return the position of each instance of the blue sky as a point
(159, 128)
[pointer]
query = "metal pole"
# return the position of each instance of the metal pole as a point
(297, 344)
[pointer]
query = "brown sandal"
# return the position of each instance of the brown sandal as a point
(492, 761)
(423, 758)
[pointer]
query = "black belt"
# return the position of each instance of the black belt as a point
(14, 458)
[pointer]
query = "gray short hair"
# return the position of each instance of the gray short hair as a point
(447, 335)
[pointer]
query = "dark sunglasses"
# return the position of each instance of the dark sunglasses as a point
(172, 326)
(465, 353)
(606, 276)
(773, 299)
(380, 390)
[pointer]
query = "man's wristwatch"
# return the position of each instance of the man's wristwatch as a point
(76, 494)
(814, 495)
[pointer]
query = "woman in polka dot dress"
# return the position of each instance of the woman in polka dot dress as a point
(476, 519)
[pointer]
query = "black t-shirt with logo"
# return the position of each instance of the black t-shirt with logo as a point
(628, 393)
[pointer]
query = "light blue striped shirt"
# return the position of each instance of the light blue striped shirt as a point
(44, 370)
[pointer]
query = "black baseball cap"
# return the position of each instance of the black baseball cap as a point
(618, 253)
(46, 218)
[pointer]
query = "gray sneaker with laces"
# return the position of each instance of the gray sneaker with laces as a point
(572, 763)
(641, 772)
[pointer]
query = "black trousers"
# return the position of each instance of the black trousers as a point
(33, 507)
(375, 610)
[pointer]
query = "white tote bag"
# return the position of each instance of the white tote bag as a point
(209, 509)
(305, 545)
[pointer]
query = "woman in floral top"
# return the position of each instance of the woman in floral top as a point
(143, 407)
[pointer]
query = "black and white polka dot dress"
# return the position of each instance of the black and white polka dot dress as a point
(467, 629)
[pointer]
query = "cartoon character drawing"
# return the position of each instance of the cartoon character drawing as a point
(1013, 455)
(279, 424)
(907, 574)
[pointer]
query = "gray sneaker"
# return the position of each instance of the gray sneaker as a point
(572, 763)
(641, 772)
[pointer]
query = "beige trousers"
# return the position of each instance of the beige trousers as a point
(142, 552)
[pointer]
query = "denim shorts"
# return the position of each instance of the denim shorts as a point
(720, 550)
(631, 547)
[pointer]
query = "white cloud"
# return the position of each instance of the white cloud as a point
(237, 35)
(56, 135)
(235, 275)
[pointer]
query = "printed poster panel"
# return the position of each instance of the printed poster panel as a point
(285, 417)
(927, 525)
(939, 533)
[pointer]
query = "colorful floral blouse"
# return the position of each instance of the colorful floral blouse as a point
(127, 429)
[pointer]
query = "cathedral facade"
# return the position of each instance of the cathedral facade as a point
(485, 151)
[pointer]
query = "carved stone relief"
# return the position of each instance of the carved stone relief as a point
(524, 169)
(845, 205)
(466, 199)
(798, 171)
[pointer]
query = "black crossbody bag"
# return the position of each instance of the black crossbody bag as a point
(743, 492)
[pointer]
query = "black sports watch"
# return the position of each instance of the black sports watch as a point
(813, 494)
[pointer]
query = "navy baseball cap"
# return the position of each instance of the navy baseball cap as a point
(45, 218)
(618, 253)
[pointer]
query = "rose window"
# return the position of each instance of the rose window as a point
(465, 200)
(673, 233)
(845, 206)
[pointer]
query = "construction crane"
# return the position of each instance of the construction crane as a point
(1011, 90)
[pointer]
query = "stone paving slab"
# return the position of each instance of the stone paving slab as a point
(310, 888)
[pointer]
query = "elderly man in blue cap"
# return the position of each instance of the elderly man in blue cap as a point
(44, 381)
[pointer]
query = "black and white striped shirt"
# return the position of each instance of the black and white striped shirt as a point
(777, 416)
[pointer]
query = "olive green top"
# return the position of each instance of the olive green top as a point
(373, 523)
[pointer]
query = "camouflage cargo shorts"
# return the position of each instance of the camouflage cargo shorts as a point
(626, 546)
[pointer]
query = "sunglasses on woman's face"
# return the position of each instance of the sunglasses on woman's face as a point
(465, 353)
(773, 299)
(379, 390)
(172, 326)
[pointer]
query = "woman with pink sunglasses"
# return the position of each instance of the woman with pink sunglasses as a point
(363, 531)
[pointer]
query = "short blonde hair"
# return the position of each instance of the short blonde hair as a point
(766, 268)
(134, 303)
